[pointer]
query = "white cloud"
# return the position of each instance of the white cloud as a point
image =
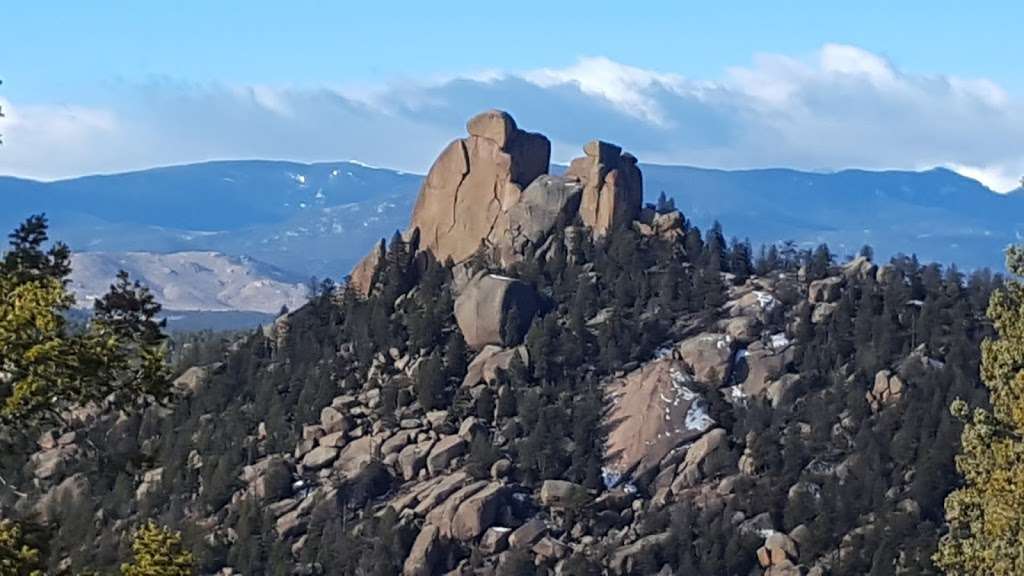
(841, 106)
(627, 87)
(998, 177)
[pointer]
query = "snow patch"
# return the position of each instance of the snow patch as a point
(697, 418)
(779, 341)
(766, 301)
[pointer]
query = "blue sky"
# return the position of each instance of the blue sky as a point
(102, 86)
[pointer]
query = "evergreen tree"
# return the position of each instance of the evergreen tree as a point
(17, 557)
(986, 516)
(49, 366)
(156, 551)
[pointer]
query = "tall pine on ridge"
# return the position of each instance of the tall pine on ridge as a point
(986, 516)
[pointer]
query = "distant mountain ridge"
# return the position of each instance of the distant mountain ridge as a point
(196, 281)
(319, 219)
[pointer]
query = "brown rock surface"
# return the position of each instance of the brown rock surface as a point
(612, 186)
(653, 411)
(424, 552)
(478, 512)
(491, 359)
(483, 309)
(708, 355)
(491, 189)
(473, 181)
(362, 275)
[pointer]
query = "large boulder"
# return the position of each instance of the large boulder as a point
(654, 410)
(478, 512)
(612, 186)
(547, 202)
(703, 459)
(413, 458)
(709, 356)
(355, 456)
(424, 553)
(446, 450)
(562, 494)
(491, 359)
(474, 181)
(494, 309)
(758, 366)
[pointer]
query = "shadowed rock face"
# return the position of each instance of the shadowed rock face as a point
(493, 309)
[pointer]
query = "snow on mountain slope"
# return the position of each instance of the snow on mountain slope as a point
(207, 281)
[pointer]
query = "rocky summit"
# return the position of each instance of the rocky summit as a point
(543, 375)
(491, 190)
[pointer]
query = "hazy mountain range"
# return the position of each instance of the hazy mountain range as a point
(291, 221)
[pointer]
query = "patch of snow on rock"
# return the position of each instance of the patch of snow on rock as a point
(779, 341)
(697, 418)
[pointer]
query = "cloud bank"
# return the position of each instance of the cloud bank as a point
(839, 107)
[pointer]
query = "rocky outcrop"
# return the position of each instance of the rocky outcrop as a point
(825, 290)
(424, 553)
(494, 309)
(362, 275)
(888, 389)
(612, 186)
(547, 202)
(708, 356)
(491, 189)
(653, 411)
(474, 181)
(490, 360)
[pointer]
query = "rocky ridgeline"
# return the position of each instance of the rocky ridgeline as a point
(664, 445)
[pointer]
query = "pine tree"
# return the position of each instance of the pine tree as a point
(17, 557)
(986, 516)
(47, 365)
(156, 551)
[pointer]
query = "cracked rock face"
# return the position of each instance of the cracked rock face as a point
(492, 189)
(612, 186)
(474, 182)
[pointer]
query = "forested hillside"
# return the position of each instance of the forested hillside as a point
(598, 387)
